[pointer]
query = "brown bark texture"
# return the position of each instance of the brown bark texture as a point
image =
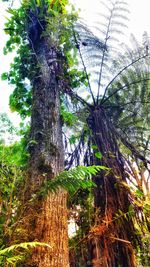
(45, 218)
(112, 239)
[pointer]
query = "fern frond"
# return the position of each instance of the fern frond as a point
(98, 42)
(16, 253)
(73, 180)
(25, 246)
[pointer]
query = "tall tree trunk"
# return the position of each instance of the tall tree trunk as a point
(112, 237)
(45, 217)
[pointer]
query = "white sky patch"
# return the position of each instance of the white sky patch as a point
(138, 18)
(138, 23)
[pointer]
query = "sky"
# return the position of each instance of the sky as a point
(139, 13)
(138, 23)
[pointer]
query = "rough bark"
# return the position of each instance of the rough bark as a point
(112, 241)
(45, 218)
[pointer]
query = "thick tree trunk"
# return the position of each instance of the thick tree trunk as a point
(46, 216)
(50, 226)
(112, 237)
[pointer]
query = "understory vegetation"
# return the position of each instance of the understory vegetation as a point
(81, 155)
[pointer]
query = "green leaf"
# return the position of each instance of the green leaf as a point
(98, 155)
(72, 139)
(94, 147)
(131, 211)
(139, 193)
(4, 76)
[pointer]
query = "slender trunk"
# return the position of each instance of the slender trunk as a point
(112, 237)
(46, 216)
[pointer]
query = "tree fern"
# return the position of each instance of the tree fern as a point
(124, 91)
(115, 108)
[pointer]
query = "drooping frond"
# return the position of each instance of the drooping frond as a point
(127, 97)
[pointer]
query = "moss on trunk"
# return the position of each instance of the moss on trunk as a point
(44, 218)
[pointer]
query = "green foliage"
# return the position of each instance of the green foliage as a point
(120, 216)
(11, 177)
(122, 97)
(73, 180)
(12, 152)
(72, 139)
(143, 255)
(94, 147)
(13, 159)
(20, 69)
(98, 155)
(7, 130)
(58, 29)
(17, 253)
(4, 76)
(57, 26)
(77, 78)
(67, 117)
